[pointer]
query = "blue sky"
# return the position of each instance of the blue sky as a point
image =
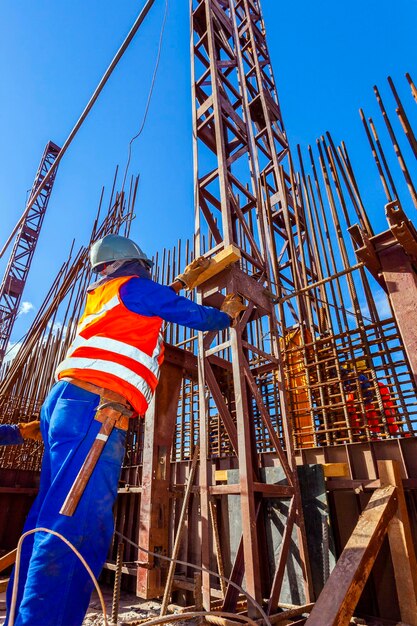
(326, 57)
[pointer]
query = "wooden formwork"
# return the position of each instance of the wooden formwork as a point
(337, 484)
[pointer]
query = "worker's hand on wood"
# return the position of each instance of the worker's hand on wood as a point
(31, 430)
(233, 306)
(189, 276)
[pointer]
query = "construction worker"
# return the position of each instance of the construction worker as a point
(372, 412)
(14, 434)
(114, 359)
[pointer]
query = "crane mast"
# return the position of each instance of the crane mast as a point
(17, 269)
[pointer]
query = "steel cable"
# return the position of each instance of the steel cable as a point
(152, 622)
(200, 569)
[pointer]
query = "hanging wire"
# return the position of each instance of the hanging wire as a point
(148, 103)
(89, 106)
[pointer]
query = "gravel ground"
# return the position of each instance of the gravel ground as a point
(131, 608)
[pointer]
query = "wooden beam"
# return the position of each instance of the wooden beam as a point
(188, 585)
(180, 531)
(221, 621)
(401, 544)
(218, 263)
(288, 616)
(131, 571)
(341, 593)
(268, 490)
(7, 560)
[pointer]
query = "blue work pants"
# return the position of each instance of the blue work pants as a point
(54, 586)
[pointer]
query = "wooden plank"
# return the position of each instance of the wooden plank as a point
(131, 571)
(343, 589)
(401, 544)
(7, 560)
(221, 621)
(220, 475)
(218, 263)
(3, 584)
(335, 469)
(154, 512)
(188, 585)
(267, 490)
(181, 358)
(287, 617)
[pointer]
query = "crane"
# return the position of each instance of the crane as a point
(18, 266)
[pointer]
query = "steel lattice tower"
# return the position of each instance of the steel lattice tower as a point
(245, 196)
(17, 270)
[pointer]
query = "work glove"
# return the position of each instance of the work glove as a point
(30, 430)
(233, 306)
(192, 272)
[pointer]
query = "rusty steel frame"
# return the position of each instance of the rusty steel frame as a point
(343, 322)
(313, 275)
(240, 149)
(292, 230)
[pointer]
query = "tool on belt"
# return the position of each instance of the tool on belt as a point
(111, 415)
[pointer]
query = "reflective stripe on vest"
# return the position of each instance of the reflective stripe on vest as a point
(89, 319)
(112, 345)
(110, 368)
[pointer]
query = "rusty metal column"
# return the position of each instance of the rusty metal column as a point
(155, 498)
(401, 282)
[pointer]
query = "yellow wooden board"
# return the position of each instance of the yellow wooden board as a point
(220, 475)
(335, 469)
(218, 263)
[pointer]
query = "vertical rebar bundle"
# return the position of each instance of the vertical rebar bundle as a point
(26, 380)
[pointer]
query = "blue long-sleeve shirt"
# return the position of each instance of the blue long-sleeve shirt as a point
(10, 434)
(148, 298)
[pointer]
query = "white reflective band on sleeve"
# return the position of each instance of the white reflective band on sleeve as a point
(102, 437)
(107, 307)
(118, 347)
(108, 367)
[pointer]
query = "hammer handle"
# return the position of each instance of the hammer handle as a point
(83, 476)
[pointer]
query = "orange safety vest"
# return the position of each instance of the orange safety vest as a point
(116, 348)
